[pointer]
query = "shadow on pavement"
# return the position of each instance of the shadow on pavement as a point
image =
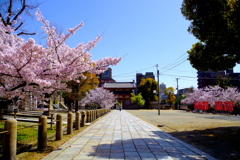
(222, 143)
(160, 146)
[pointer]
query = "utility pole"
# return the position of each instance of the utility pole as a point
(158, 90)
(177, 94)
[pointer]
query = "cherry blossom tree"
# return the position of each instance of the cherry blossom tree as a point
(102, 97)
(14, 13)
(26, 67)
(212, 94)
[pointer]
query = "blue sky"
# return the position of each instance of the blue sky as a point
(144, 33)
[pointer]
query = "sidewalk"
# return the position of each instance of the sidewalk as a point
(120, 135)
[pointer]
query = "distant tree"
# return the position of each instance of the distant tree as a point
(137, 99)
(170, 93)
(182, 96)
(212, 94)
(79, 90)
(102, 97)
(146, 88)
(215, 23)
(13, 13)
(223, 82)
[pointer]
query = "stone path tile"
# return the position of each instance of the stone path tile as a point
(122, 136)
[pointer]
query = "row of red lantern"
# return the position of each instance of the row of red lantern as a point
(201, 105)
(224, 106)
(219, 106)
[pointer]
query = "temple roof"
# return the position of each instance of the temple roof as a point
(119, 85)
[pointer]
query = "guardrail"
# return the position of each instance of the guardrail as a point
(10, 129)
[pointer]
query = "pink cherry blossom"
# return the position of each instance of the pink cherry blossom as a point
(212, 94)
(102, 97)
(28, 67)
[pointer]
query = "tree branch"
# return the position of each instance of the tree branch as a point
(9, 12)
(21, 11)
(4, 22)
(20, 85)
(24, 33)
(18, 26)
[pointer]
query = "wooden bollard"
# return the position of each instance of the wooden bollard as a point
(91, 115)
(88, 116)
(10, 140)
(77, 120)
(83, 118)
(98, 113)
(42, 133)
(59, 129)
(94, 115)
(51, 125)
(1, 114)
(70, 123)
(15, 113)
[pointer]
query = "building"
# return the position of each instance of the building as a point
(105, 77)
(185, 91)
(149, 75)
(233, 79)
(122, 91)
(140, 76)
(162, 87)
(209, 77)
(206, 78)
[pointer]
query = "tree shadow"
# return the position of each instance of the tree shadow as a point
(159, 145)
(221, 143)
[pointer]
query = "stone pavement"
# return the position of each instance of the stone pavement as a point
(120, 135)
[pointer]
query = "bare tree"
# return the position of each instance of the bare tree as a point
(13, 13)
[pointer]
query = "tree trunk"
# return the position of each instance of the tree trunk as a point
(76, 105)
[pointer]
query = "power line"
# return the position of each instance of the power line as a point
(179, 62)
(177, 76)
(172, 63)
(174, 66)
(134, 71)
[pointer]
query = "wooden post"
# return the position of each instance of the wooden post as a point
(94, 115)
(88, 116)
(59, 130)
(83, 118)
(1, 114)
(91, 116)
(15, 113)
(42, 133)
(98, 113)
(51, 125)
(70, 123)
(77, 120)
(10, 140)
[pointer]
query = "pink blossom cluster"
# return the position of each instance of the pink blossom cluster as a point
(212, 94)
(102, 97)
(28, 67)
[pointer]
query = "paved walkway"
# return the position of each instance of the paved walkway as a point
(120, 135)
